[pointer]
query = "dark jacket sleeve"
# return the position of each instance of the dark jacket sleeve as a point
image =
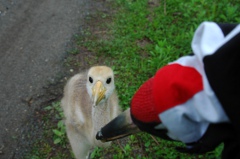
(220, 55)
(223, 72)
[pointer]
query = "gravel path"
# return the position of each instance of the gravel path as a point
(33, 40)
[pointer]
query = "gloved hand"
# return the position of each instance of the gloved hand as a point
(215, 135)
(143, 114)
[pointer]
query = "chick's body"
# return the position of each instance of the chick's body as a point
(90, 102)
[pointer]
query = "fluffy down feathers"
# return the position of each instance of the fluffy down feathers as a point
(90, 102)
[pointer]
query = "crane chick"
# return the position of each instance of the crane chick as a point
(89, 102)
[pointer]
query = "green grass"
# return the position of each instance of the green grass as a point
(139, 38)
(144, 36)
(53, 143)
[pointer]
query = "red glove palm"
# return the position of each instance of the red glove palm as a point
(143, 111)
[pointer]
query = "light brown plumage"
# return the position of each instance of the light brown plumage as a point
(90, 102)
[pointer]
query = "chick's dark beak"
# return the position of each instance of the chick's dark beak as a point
(119, 127)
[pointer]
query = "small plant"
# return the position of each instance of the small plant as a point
(55, 109)
(74, 51)
(59, 133)
(96, 153)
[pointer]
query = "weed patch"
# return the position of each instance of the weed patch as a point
(54, 143)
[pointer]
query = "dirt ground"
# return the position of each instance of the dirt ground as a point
(34, 39)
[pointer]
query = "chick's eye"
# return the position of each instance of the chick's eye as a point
(109, 80)
(90, 80)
